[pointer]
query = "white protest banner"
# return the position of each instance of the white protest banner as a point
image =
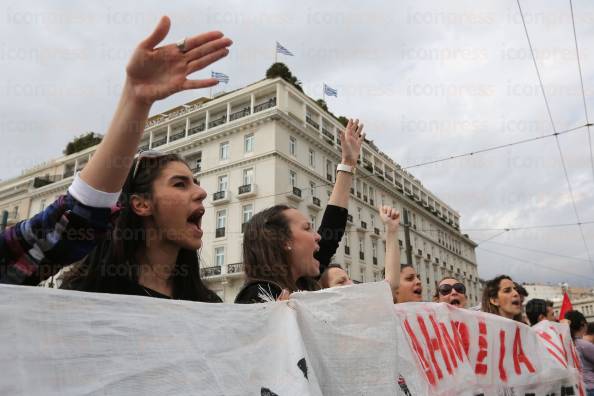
(342, 341)
(460, 352)
(58, 342)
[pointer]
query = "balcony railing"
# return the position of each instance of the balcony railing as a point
(361, 255)
(144, 147)
(68, 173)
(297, 191)
(235, 268)
(311, 122)
(347, 250)
(177, 136)
(218, 121)
(389, 177)
(371, 202)
(363, 225)
(197, 168)
(266, 105)
(240, 114)
(358, 194)
(159, 142)
(219, 195)
(246, 188)
(220, 232)
(196, 129)
(210, 271)
(45, 180)
(365, 198)
(316, 201)
(376, 231)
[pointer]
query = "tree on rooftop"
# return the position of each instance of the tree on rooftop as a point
(279, 69)
(82, 142)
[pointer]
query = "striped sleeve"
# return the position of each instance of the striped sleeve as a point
(65, 232)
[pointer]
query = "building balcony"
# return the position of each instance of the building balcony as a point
(419, 253)
(239, 114)
(197, 168)
(311, 122)
(294, 194)
(159, 142)
(246, 191)
(315, 203)
(375, 260)
(45, 180)
(365, 198)
(68, 173)
(361, 256)
(220, 232)
(220, 197)
(177, 136)
(347, 250)
(359, 194)
(398, 185)
(389, 177)
(143, 147)
(350, 218)
(329, 177)
(266, 105)
(371, 202)
(362, 226)
(195, 129)
(376, 231)
(207, 272)
(219, 121)
(235, 268)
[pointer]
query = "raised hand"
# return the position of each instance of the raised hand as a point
(350, 141)
(157, 72)
(390, 217)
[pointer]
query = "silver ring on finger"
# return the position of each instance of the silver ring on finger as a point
(181, 45)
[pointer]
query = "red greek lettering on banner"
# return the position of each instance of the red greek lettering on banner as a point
(453, 343)
(520, 356)
(481, 357)
(431, 345)
(419, 352)
(502, 372)
(441, 344)
(559, 352)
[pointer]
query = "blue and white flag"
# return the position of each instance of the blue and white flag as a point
(282, 50)
(221, 77)
(328, 91)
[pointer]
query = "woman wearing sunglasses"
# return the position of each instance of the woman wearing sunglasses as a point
(451, 291)
(150, 249)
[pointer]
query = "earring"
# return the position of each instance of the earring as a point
(289, 248)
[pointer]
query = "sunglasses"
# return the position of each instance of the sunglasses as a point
(446, 289)
(148, 154)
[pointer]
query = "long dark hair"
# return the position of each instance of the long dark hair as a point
(113, 262)
(490, 291)
(265, 256)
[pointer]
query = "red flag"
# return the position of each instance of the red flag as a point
(565, 306)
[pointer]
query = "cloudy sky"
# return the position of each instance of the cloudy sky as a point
(430, 79)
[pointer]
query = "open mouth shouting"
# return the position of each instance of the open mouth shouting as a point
(195, 221)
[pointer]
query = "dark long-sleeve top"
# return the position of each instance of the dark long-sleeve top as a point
(331, 231)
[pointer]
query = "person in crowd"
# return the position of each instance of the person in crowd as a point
(150, 247)
(282, 252)
(523, 294)
(577, 324)
(500, 297)
(585, 347)
(452, 291)
(335, 275)
(538, 310)
(410, 288)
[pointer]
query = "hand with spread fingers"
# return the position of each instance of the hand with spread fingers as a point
(351, 140)
(155, 73)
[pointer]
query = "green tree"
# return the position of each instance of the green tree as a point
(343, 120)
(82, 142)
(279, 69)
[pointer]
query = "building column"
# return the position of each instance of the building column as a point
(168, 132)
(187, 126)
(252, 102)
(151, 140)
(207, 120)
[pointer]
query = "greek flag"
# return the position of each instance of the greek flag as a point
(282, 50)
(222, 77)
(328, 91)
